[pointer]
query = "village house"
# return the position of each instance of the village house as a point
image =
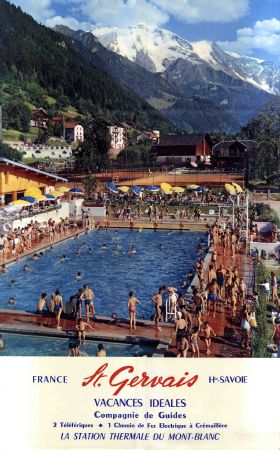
(118, 140)
(74, 132)
(177, 149)
(148, 136)
(232, 155)
(39, 118)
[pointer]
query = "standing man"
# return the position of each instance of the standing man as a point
(88, 297)
(157, 299)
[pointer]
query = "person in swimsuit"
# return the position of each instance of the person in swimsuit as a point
(58, 307)
(88, 297)
(79, 302)
(242, 288)
(221, 279)
(42, 303)
(101, 351)
(212, 296)
(81, 329)
(233, 301)
(132, 302)
(181, 329)
(194, 341)
(157, 299)
(172, 298)
(74, 349)
(51, 304)
(207, 331)
(274, 288)
(182, 347)
(245, 327)
(198, 302)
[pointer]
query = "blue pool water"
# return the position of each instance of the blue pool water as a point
(24, 345)
(110, 275)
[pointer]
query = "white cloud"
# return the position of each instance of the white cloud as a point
(124, 12)
(264, 35)
(41, 10)
(194, 11)
(132, 12)
(70, 22)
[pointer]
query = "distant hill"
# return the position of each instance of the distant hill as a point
(40, 67)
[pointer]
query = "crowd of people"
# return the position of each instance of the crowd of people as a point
(15, 242)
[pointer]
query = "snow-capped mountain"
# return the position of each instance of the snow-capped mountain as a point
(197, 86)
(155, 49)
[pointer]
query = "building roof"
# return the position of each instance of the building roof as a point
(71, 124)
(7, 162)
(181, 139)
(39, 110)
(223, 145)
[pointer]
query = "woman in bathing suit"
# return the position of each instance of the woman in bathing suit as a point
(132, 302)
(181, 329)
(58, 306)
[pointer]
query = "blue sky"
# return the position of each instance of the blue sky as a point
(250, 27)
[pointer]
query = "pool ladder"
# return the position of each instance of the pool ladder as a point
(169, 315)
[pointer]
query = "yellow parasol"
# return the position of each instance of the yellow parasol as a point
(20, 203)
(32, 192)
(40, 197)
(192, 186)
(63, 188)
(230, 189)
(178, 189)
(166, 188)
(56, 193)
(123, 188)
(238, 188)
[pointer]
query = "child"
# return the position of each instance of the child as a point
(81, 328)
(233, 300)
(242, 291)
(182, 347)
(194, 341)
(207, 333)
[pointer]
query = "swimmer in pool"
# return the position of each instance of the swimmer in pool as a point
(140, 230)
(79, 276)
(35, 257)
(103, 247)
(161, 247)
(3, 268)
(27, 268)
(62, 258)
(11, 301)
(74, 349)
(117, 248)
(13, 282)
(132, 250)
(78, 251)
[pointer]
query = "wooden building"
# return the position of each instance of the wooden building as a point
(16, 178)
(183, 148)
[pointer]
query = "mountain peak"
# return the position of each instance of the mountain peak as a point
(156, 48)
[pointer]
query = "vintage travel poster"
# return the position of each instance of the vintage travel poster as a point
(139, 224)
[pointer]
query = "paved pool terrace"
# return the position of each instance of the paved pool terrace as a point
(23, 322)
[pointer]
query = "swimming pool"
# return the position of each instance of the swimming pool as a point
(25, 345)
(162, 258)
